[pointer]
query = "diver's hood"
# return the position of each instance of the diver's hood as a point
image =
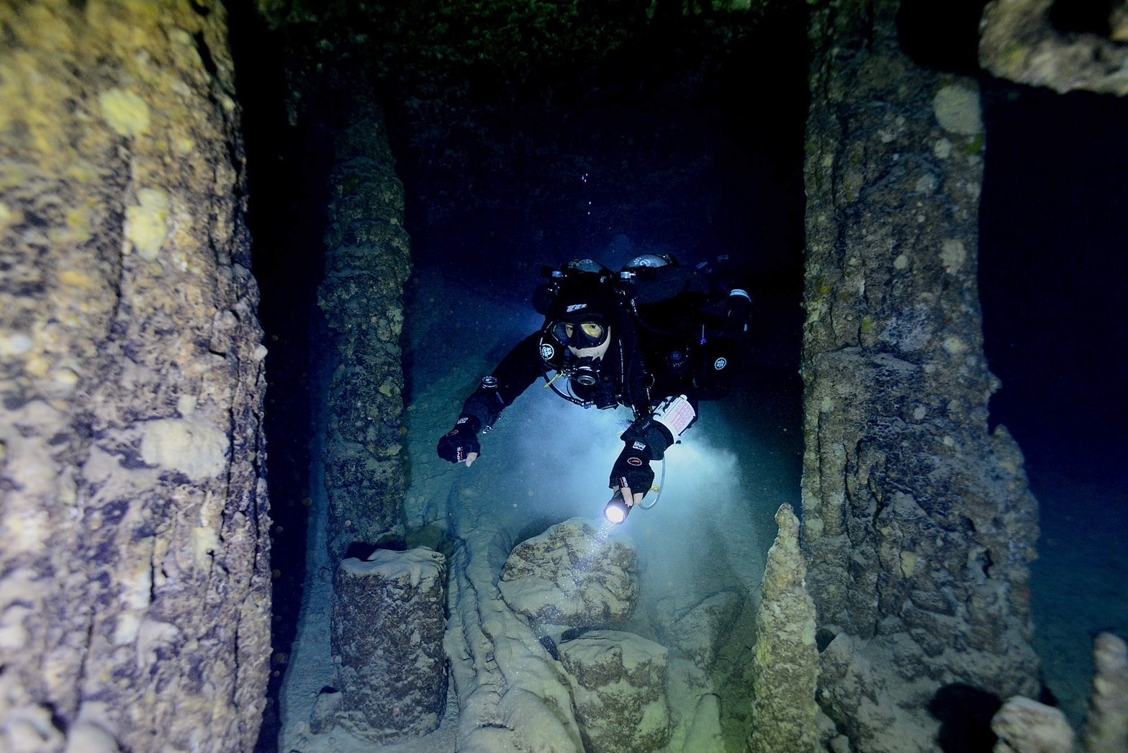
(581, 289)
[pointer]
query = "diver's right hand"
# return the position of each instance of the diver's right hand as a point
(460, 444)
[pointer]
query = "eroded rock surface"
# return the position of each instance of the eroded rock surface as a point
(918, 525)
(785, 669)
(133, 519)
(1019, 41)
(619, 687)
(569, 575)
(367, 262)
(388, 623)
(1026, 726)
(697, 631)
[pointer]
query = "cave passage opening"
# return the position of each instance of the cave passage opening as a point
(687, 141)
(1053, 278)
(691, 143)
(683, 144)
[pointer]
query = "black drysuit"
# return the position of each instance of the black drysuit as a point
(661, 347)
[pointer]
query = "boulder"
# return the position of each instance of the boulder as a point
(697, 631)
(619, 688)
(1026, 726)
(387, 636)
(569, 575)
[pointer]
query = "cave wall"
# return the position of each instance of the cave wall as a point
(135, 586)
(919, 526)
(1084, 48)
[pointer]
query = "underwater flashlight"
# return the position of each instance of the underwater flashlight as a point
(617, 509)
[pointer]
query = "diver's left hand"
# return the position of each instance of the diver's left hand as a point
(632, 473)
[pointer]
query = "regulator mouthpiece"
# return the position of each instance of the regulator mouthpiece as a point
(586, 376)
(617, 509)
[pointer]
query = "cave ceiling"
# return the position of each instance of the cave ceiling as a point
(500, 107)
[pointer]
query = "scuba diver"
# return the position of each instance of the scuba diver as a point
(657, 337)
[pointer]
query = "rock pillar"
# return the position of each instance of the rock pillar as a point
(918, 524)
(135, 596)
(366, 266)
(786, 669)
(1106, 726)
(388, 622)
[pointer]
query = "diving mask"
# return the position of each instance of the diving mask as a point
(580, 335)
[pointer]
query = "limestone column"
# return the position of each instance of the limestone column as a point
(367, 265)
(134, 602)
(135, 596)
(388, 622)
(918, 524)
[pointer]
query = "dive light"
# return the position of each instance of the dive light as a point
(617, 509)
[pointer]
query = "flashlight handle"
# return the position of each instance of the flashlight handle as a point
(618, 495)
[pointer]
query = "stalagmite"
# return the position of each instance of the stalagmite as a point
(1106, 725)
(786, 663)
(388, 622)
(366, 265)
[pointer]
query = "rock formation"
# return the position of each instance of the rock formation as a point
(918, 525)
(1027, 726)
(135, 595)
(697, 632)
(388, 622)
(512, 695)
(619, 687)
(569, 575)
(1106, 725)
(785, 668)
(1019, 41)
(367, 264)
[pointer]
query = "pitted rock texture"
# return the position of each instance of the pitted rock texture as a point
(697, 631)
(569, 575)
(918, 524)
(133, 520)
(1019, 41)
(387, 632)
(619, 687)
(1023, 725)
(366, 266)
(785, 668)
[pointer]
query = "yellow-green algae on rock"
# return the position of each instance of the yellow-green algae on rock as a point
(134, 566)
(785, 669)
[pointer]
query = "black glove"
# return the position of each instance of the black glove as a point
(632, 469)
(462, 440)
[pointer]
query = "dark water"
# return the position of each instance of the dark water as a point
(1053, 282)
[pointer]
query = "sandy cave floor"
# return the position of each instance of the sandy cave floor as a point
(547, 461)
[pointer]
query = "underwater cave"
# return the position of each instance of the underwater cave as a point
(908, 222)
